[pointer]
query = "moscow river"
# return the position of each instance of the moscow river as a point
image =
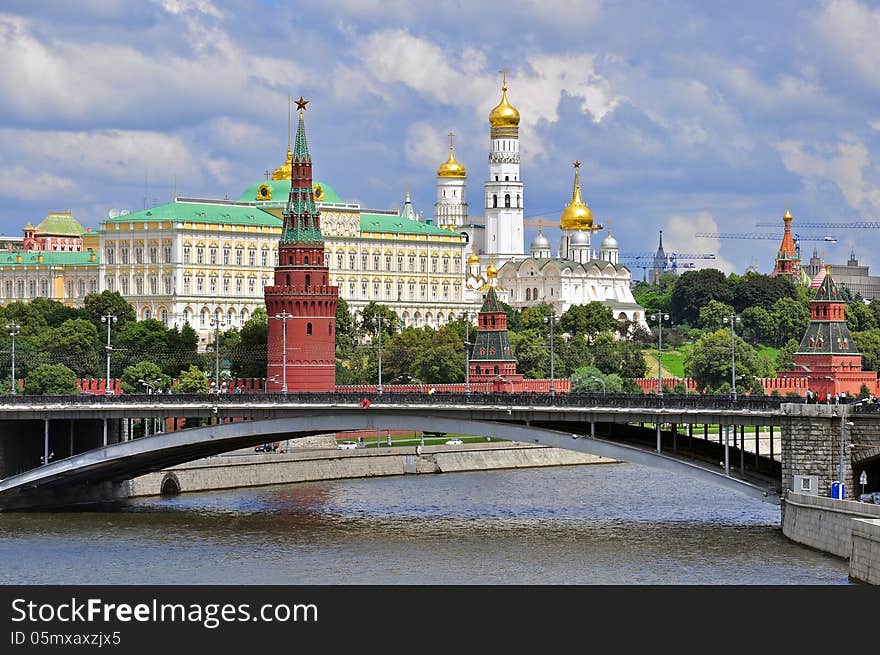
(601, 524)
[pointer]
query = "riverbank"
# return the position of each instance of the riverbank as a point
(323, 461)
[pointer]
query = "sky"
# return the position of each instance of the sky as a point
(686, 116)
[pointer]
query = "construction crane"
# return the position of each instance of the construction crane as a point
(645, 260)
(845, 225)
(765, 235)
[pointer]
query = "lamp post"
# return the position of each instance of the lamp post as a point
(551, 320)
(109, 319)
(467, 352)
(732, 320)
(283, 316)
(660, 318)
(13, 329)
(379, 324)
(844, 411)
(216, 322)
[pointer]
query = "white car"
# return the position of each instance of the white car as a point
(347, 445)
(454, 442)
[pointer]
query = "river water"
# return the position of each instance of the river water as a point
(600, 524)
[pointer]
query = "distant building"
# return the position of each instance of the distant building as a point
(854, 276)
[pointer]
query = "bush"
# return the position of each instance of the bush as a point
(51, 379)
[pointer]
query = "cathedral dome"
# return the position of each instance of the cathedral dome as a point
(579, 239)
(540, 242)
(451, 167)
(609, 242)
(504, 114)
(491, 271)
(283, 171)
(473, 258)
(576, 216)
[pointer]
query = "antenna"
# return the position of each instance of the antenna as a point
(113, 213)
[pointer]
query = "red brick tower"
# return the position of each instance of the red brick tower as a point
(492, 358)
(788, 259)
(301, 289)
(827, 355)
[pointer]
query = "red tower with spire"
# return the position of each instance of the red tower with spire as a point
(788, 259)
(301, 303)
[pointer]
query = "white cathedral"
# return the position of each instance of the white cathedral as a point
(576, 276)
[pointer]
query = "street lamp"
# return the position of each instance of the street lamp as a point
(109, 319)
(379, 325)
(467, 352)
(844, 410)
(552, 321)
(732, 320)
(283, 316)
(216, 323)
(13, 329)
(660, 318)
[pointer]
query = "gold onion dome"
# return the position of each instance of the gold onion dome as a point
(787, 214)
(473, 258)
(283, 171)
(492, 271)
(451, 167)
(577, 216)
(504, 114)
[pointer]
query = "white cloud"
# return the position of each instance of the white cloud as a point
(849, 30)
(678, 237)
(21, 183)
(425, 144)
(178, 7)
(843, 164)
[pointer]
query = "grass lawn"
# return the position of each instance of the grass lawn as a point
(673, 361)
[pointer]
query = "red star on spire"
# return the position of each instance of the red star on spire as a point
(301, 103)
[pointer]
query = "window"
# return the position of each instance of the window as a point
(412, 262)
(200, 255)
(252, 257)
(200, 284)
(388, 290)
(213, 284)
(507, 178)
(495, 197)
(375, 261)
(351, 288)
(412, 290)
(400, 262)
(186, 284)
(123, 285)
(363, 289)
(399, 290)
(109, 255)
(264, 257)
(364, 261)
(351, 261)
(186, 254)
(375, 290)
(226, 281)
(154, 285)
(445, 292)
(309, 329)
(339, 260)
(226, 253)
(446, 264)
(19, 288)
(507, 200)
(423, 289)
(123, 254)
(139, 286)
(108, 283)
(387, 262)
(433, 263)
(147, 314)
(203, 319)
(238, 285)
(433, 292)
(169, 285)
(44, 288)
(212, 255)
(252, 285)
(167, 253)
(163, 316)
(518, 203)
(423, 263)
(138, 255)
(154, 254)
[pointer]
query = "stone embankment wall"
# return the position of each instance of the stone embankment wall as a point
(838, 527)
(304, 465)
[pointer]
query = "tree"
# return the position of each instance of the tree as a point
(183, 349)
(652, 298)
(868, 343)
(146, 371)
(590, 320)
(695, 289)
(757, 325)
(192, 380)
(51, 379)
(785, 357)
(709, 362)
(713, 314)
(532, 354)
(346, 330)
(514, 317)
(141, 341)
(791, 317)
(533, 317)
(370, 316)
(859, 318)
(441, 364)
(588, 379)
(97, 305)
(73, 343)
(248, 354)
(759, 290)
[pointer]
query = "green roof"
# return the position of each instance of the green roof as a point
(201, 212)
(61, 223)
(391, 223)
(281, 191)
(50, 258)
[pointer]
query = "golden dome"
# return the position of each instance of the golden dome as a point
(473, 258)
(787, 214)
(577, 216)
(491, 271)
(504, 114)
(451, 167)
(283, 171)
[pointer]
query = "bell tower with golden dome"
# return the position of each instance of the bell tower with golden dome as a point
(451, 210)
(504, 189)
(576, 222)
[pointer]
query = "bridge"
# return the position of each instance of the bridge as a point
(94, 432)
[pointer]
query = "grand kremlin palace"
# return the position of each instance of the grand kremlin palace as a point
(194, 259)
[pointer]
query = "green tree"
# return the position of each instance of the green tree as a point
(859, 318)
(532, 354)
(694, 290)
(757, 325)
(791, 317)
(54, 312)
(868, 343)
(370, 316)
(785, 357)
(26, 315)
(346, 330)
(146, 371)
(248, 355)
(441, 364)
(709, 362)
(713, 314)
(533, 317)
(759, 290)
(652, 298)
(514, 318)
(571, 354)
(589, 379)
(50, 379)
(183, 349)
(97, 305)
(590, 320)
(192, 380)
(73, 343)
(140, 341)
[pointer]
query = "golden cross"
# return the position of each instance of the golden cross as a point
(451, 135)
(503, 71)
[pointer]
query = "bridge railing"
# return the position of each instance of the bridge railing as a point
(623, 400)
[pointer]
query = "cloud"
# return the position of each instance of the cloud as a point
(424, 144)
(678, 237)
(178, 7)
(843, 164)
(20, 182)
(849, 30)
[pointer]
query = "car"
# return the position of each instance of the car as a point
(347, 445)
(454, 442)
(266, 448)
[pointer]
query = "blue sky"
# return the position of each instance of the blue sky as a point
(686, 116)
